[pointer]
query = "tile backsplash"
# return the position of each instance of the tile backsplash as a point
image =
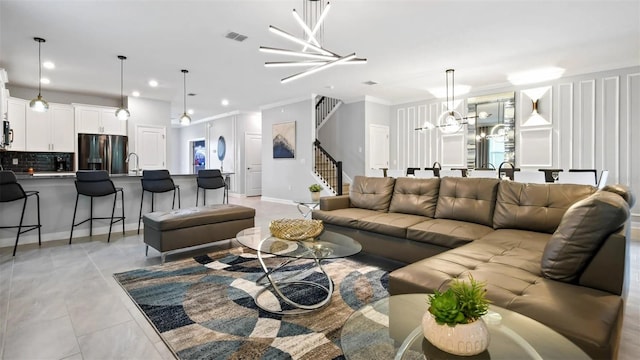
(39, 161)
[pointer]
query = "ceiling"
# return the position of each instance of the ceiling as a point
(408, 44)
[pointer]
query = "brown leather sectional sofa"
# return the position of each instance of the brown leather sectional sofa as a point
(555, 253)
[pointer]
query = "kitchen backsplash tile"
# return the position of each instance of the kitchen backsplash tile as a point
(39, 161)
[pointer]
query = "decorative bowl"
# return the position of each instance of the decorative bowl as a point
(295, 229)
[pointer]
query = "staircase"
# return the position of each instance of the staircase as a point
(326, 167)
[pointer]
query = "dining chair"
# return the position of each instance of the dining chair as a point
(533, 177)
(395, 173)
(424, 174)
(583, 178)
(450, 173)
(594, 172)
(484, 173)
(602, 182)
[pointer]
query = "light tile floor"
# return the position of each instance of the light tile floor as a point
(60, 301)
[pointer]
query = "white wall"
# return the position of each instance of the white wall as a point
(233, 128)
(595, 123)
(288, 179)
(345, 135)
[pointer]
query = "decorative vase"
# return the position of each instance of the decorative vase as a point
(315, 196)
(462, 339)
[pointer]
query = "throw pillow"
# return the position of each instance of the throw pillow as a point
(582, 230)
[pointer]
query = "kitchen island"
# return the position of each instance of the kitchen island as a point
(58, 196)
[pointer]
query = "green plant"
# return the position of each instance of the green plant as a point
(463, 303)
(315, 188)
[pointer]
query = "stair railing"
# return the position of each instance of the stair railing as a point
(327, 168)
(324, 106)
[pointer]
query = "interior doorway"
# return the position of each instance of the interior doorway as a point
(253, 162)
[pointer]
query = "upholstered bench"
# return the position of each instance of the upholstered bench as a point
(182, 228)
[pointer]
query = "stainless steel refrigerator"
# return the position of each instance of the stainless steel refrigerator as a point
(102, 152)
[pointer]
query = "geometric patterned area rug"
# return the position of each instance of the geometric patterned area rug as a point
(204, 308)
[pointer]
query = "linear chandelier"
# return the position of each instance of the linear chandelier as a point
(313, 55)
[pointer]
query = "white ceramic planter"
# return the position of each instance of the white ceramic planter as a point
(462, 339)
(315, 196)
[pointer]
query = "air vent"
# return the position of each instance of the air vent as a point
(370, 82)
(235, 36)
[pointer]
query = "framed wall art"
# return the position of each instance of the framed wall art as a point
(284, 140)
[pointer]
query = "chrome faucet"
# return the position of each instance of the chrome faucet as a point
(137, 171)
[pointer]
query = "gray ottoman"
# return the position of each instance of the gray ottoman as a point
(182, 228)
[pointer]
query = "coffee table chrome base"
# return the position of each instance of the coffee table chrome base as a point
(276, 286)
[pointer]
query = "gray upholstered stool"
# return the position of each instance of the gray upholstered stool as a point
(178, 229)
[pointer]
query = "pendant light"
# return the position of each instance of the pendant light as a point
(122, 113)
(185, 119)
(450, 121)
(39, 104)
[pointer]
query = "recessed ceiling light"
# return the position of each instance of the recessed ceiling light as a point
(190, 111)
(153, 83)
(370, 82)
(135, 93)
(536, 75)
(49, 65)
(45, 81)
(224, 102)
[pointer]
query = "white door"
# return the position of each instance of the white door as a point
(253, 162)
(151, 147)
(378, 146)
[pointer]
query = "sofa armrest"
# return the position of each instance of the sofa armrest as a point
(335, 202)
(609, 268)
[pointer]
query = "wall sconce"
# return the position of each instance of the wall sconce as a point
(540, 110)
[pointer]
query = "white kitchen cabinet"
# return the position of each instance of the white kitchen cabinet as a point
(16, 114)
(50, 131)
(98, 120)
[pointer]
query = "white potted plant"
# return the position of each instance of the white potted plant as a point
(454, 322)
(315, 191)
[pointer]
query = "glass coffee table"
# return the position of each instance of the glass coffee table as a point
(328, 245)
(391, 328)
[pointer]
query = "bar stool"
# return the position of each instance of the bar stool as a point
(10, 190)
(96, 184)
(157, 181)
(208, 180)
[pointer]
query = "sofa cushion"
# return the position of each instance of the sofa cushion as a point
(392, 224)
(342, 217)
(415, 196)
(371, 193)
(583, 229)
(447, 233)
(467, 199)
(535, 207)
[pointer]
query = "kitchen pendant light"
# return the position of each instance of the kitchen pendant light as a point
(185, 119)
(122, 113)
(39, 104)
